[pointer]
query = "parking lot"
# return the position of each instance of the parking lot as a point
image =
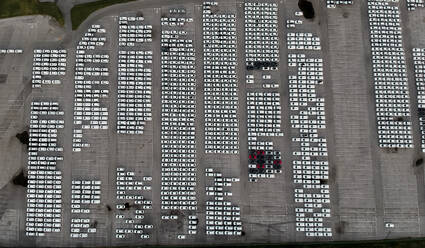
(220, 122)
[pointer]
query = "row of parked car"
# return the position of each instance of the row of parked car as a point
(263, 106)
(44, 190)
(419, 63)
(91, 84)
(178, 111)
(220, 81)
(391, 87)
(263, 121)
(11, 51)
(301, 41)
(132, 31)
(134, 76)
(334, 3)
(309, 117)
(132, 204)
(47, 66)
(85, 195)
(261, 36)
(414, 4)
(310, 166)
(222, 217)
(292, 23)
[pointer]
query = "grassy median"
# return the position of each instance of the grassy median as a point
(12, 8)
(80, 12)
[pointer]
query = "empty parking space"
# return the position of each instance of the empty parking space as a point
(354, 154)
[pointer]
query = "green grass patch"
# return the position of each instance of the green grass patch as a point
(80, 12)
(12, 8)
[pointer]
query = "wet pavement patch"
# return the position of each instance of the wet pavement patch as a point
(20, 179)
(23, 137)
(3, 78)
(307, 8)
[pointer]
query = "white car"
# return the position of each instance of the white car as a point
(389, 225)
